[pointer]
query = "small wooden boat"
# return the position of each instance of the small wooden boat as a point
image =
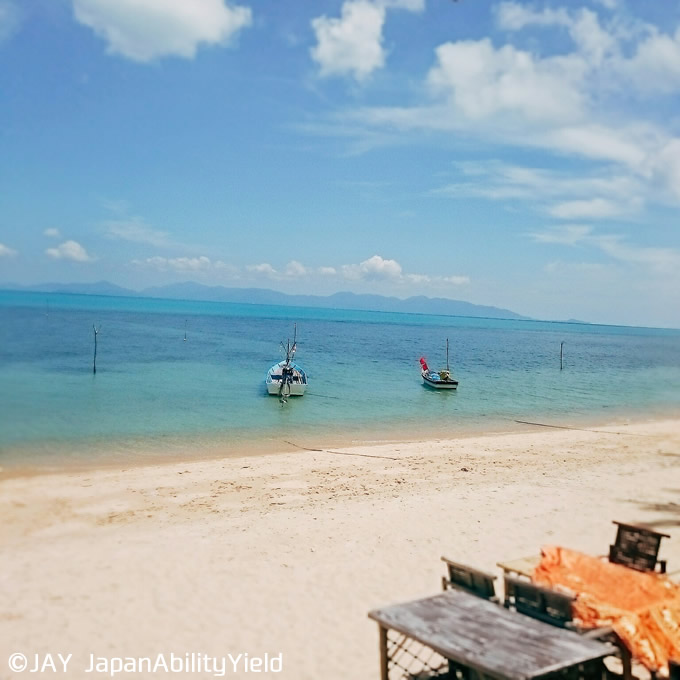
(439, 380)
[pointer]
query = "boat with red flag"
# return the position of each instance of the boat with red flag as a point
(439, 380)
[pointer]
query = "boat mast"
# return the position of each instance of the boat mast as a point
(447, 354)
(290, 349)
(286, 370)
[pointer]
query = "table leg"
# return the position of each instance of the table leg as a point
(384, 670)
(626, 662)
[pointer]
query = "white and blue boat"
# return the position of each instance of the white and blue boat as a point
(439, 380)
(287, 379)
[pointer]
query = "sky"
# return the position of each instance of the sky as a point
(518, 154)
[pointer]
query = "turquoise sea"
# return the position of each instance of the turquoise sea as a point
(155, 394)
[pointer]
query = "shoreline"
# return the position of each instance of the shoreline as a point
(145, 451)
(286, 553)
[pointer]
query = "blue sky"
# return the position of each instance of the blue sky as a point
(518, 154)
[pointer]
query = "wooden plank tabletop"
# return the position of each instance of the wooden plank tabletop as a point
(487, 637)
(523, 565)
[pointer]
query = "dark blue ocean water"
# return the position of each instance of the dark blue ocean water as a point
(155, 391)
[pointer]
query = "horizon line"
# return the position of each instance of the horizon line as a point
(21, 289)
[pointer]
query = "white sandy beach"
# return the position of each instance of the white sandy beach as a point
(285, 554)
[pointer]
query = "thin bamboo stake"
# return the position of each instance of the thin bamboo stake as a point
(94, 359)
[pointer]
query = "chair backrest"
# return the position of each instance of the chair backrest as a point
(540, 603)
(471, 580)
(636, 547)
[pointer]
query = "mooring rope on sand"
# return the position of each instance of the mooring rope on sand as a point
(578, 429)
(339, 453)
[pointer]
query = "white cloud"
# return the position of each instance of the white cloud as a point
(616, 246)
(511, 16)
(666, 260)
(6, 251)
(436, 281)
(557, 193)
(629, 145)
(264, 269)
(137, 231)
(375, 272)
(294, 269)
(410, 5)
(591, 39)
(608, 4)
(373, 268)
(480, 82)
(574, 269)
(594, 208)
(456, 280)
(591, 102)
(379, 269)
(418, 278)
(118, 206)
(583, 26)
(143, 30)
(655, 66)
(496, 179)
(200, 265)
(189, 263)
(52, 232)
(352, 44)
(69, 250)
(568, 234)
(178, 264)
(667, 166)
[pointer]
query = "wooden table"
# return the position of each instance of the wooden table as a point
(485, 637)
(523, 566)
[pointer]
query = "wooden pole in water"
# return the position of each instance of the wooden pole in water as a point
(94, 360)
(561, 355)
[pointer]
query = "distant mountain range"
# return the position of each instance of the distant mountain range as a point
(262, 296)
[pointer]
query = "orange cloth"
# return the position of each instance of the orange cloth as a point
(642, 607)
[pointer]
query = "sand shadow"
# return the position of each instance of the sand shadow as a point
(669, 508)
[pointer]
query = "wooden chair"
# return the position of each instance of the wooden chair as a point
(637, 547)
(544, 604)
(555, 607)
(474, 581)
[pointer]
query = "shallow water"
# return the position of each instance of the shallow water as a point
(155, 391)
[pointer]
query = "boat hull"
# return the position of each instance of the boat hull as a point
(433, 380)
(295, 388)
(274, 388)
